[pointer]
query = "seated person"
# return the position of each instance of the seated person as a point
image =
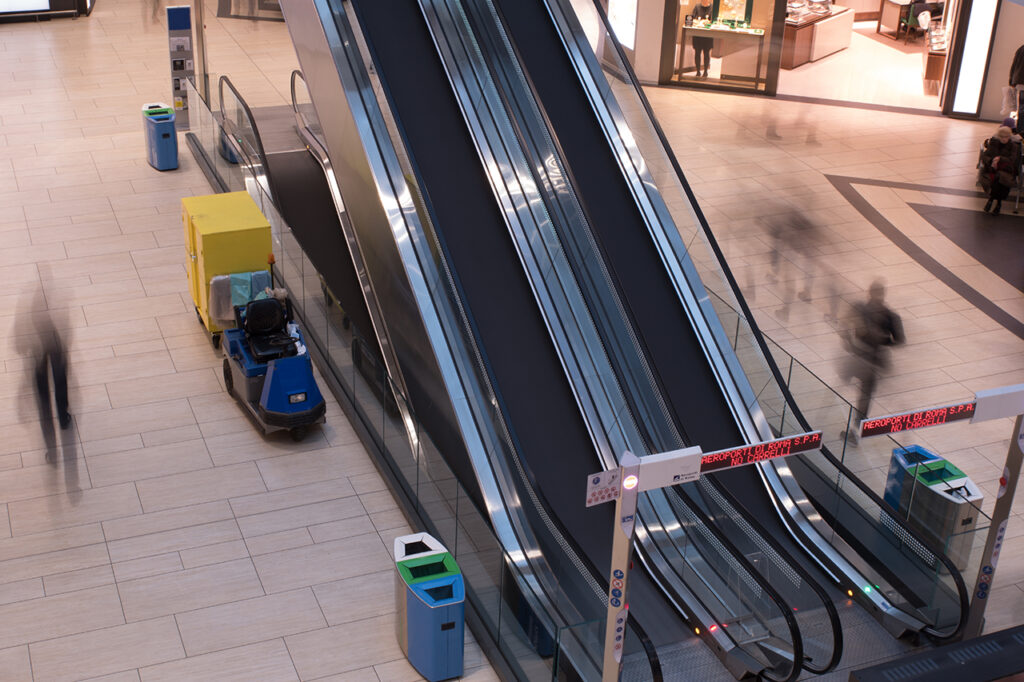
(1000, 163)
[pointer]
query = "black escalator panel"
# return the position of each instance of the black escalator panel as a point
(528, 378)
(301, 192)
(511, 333)
(678, 362)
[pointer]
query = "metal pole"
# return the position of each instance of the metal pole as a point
(996, 532)
(622, 547)
(199, 35)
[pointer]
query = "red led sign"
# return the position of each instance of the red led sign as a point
(759, 452)
(916, 420)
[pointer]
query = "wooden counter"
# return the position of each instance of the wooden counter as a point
(810, 37)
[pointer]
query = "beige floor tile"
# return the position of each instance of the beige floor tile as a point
(298, 517)
(106, 651)
(20, 591)
(266, 661)
(40, 480)
(138, 309)
(172, 435)
(173, 540)
(250, 621)
(234, 445)
(362, 675)
(135, 419)
(60, 561)
(322, 562)
(275, 542)
(63, 510)
(310, 467)
(127, 676)
(337, 530)
(78, 580)
(172, 519)
(147, 566)
(150, 462)
(195, 588)
(200, 486)
(39, 543)
(102, 371)
(356, 598)
(292, 497)
(16, 664)
(214, 554)
(326, 652)
(65, 614)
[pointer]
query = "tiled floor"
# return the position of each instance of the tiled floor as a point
(175, 543)
(748, 159)
(181, 545)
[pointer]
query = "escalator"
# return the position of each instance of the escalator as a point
(536, 404)
(512, 339)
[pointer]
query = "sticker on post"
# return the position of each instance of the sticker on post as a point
(603, 487)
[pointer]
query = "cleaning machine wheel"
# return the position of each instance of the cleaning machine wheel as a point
(215, 340)
(298, 432)
(229, 380)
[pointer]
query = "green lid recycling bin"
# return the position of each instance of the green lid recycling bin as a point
(161, 139)
(936, 498)
(430, 598)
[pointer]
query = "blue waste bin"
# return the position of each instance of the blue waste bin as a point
(161, 138)
(936, 498)
(430, 597)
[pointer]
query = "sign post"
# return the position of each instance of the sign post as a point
(992, 404)
(634, 476)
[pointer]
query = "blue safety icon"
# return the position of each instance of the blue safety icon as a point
(987, 570)
(597, 479)
(982, 594)
(614, 601)
(616, 593)
(618, 573)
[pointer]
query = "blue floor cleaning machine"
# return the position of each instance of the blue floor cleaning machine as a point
(269, 371)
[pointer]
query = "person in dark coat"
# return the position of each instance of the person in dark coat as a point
(702, 45)
(1000, 161)
(1017, 68)
(876, 328)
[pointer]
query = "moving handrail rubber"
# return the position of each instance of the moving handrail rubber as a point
(771, 471)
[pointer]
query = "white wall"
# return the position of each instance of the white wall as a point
(650, 24)
(1009, 36)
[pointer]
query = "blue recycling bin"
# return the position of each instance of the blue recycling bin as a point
(430, 597)
(903, 466)
(936, 498)
(161, 138)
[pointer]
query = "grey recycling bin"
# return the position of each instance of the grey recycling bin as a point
(430, 598)
(936, 498)
(161, 138)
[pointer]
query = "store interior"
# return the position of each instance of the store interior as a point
(858, 51)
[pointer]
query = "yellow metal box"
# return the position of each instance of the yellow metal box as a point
(224, 234)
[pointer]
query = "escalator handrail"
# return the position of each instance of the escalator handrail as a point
(830, 607)
(503, 99)
(833, 615)
(759, 338)
(224, 80)
(772, 593)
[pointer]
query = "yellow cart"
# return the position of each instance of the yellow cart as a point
(224, 234)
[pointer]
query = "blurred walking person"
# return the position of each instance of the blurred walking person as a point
(877, 328)
(46, 350)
